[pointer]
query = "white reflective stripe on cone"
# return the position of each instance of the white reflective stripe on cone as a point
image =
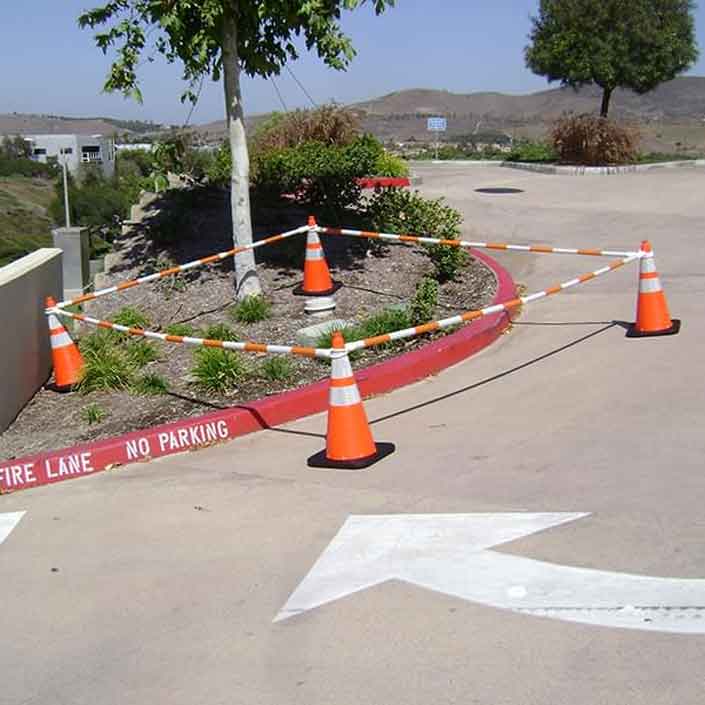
(60, 340)
(648, 265)
(344, 396)
(314, 254)
(649, 286)
(341, 369)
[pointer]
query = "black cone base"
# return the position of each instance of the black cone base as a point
(319, 460)
(673, 330)
(299, 291)
(63, 389)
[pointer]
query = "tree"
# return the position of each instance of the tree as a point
(222, 38)
(15, 148)
(633, 44)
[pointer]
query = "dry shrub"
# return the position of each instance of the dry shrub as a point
(590, 140)
(330, 124)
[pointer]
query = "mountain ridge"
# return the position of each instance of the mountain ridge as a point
(402, 114)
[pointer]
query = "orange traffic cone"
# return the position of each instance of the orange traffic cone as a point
(652, 316)
(67, 360)
(317, 281)
(349, 442)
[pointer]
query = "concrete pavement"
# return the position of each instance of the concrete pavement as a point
(159, 582)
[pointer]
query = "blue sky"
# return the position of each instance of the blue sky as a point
(48, 65)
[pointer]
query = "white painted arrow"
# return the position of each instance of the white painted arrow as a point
(8, 522)
(449, 553)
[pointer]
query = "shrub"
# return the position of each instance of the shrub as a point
(131, 317)
(219, 171)
(447, 261)
(216, 370)
(424, 302)
(656, 157)
(26, 167)
(389, 165)
(528, 151)
(179, 329)
(140, 352)
(97, 341)
(106, 364)
(16, 246)
(594, 141)
(112, 358)
(385, 321)
(134, 162)
(150, 384)
(251, 309)
(219, 331)
(15, 148)
(403, 211)
(321, 175)
(277, 369)
(94, 202)
(178, 154)
(328, 124)
(92, 413)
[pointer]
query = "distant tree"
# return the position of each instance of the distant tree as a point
(15, 148)
(223, 38)
(633, 44)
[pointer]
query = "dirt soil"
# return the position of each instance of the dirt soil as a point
(202, 297)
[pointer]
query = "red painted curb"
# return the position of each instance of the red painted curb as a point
(384, 182)
(202, 431)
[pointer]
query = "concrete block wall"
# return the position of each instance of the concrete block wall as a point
(75, 244)
(25, 357)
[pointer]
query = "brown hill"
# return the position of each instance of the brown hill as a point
(28, 124)
(22, 124)
(403, 114)
(680, 98)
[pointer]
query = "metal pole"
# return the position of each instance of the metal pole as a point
(66, 192)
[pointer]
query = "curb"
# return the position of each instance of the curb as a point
(572, 170)
(220, 426)
(602, 170)
(384, 182)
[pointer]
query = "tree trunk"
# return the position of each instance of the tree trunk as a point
(246, 281)
(606, 95)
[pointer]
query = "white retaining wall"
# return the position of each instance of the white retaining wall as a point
(25, 358)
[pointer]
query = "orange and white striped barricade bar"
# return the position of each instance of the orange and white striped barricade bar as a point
(652, 315)
(469, 316)
(421, 240)
(171, 271)
(235, 345)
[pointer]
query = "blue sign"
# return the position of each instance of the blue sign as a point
(436, 124)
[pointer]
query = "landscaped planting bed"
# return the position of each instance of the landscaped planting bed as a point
(385, 288)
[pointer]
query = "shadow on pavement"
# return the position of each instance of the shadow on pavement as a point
(500, 375)
(564, 323)
(607, 325)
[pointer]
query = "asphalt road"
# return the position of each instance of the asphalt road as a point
(159, 583)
